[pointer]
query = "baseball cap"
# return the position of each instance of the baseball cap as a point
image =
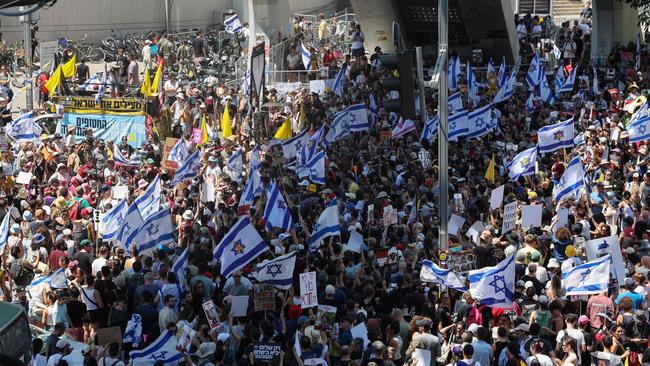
(302, 320)
(583, 319)
(62, 343)
(330, 290)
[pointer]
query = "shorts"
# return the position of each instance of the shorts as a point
(358, 52)
(94, 316)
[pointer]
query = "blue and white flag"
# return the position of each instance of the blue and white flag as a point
(494, 286)
(236, 165)
(503, 76)
(554, 137)
(276, 213)
(588, 278)
(594, 86)
(112, 220)
(637, 58)
(180, 265)
(188, 170)
(431, 273)
(545, 91)
(430, 130)
(640, 113)
(121, 159)
(246, 84)
(506, 90)
(55, 280)
(232, 24)
(314, 169)
(524, 163)
(291, 147)
(559, 79)
(457, 125)
(490, 68)
(254, 186)
(162, 350)
(326, 226)
(532, 77)
(557, 53)
(306, 56)
(132, 222)
(102, 87)
(358, 117)
(179, 151)
(567, 86)
(455, 102)
(337, 88)
(149, 202)
(340, 127)
(133, 331)
(571, 181)
(4, 229)
(157, 229)
(403, 127)
(24, 129)
(639, 130)
(277, 272)
(530, 105)
(374, 111)
(479, 122)
(239, 246)
(453, 73)
(472, 85)
(580, 139)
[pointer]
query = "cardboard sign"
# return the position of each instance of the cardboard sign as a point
(531, 216)
(509, 217)
(390, 216)
(308, 293)
(264, 299)
(169, 164)
(211, 314)
(239, 305)
(267, 352)
(106, 336)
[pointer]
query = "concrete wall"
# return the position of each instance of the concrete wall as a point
(485, 18)
(376, 18)
(613, 21)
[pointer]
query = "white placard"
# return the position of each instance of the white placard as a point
(496, 197)
(610, 245)
(318, 86)
(185, 336)
(509, 217)
(422, 357)
(120, 192)
(474, 232)
(23, 177)
(207, 193)
(360, 331)
(455, 223)
(562, 218)
(531, 216)
(239, 305)
(308, 292)
(355, 243)
(284, 88)
(46, 53)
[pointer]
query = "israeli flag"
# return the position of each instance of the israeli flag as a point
(133, 221)
(374, 112)
(506, 91)
(587, 278)
(339, 128)
(639, 130)
(155, 230)
(494, 286)
(162, 350)
(530, 106)
(557, 136)
(188, 170)
(55, 280)
(179, 151)
(4, 229)
(24, 129)
(640, 113)
(239, 247)
(503, 77)
(571, 181)
(479, 122)
(559, 79)
(524, 163)
(149, 202)
(490, 67)
(277, 272)
(121, 159)
(594, 85)
(102, 87)
(455, 102)
(112, 220)
(180, 265)
(306, 56)
(545, 91)
(133, 331)
(326, 226)
(337, 88)
(358, 117)
(403, 127)
(292, 146)
(431, 273)
(276, 213)
(232, 24)
(580, 139)
(457, 125)
(430, 130)
(251, 189)
(532, 77)
(556, 52)
(236, 165)
(472, 85)
(315, 168)
(454, 73)
(567, 86)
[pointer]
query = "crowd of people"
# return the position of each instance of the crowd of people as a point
(79, 275)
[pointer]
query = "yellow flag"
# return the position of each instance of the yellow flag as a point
(489, 173)
(70, 67)
(226, 130)
(284, 132)
(156, 80)
(54, 81)
(146, 85)
(301, 124)
(204, 127)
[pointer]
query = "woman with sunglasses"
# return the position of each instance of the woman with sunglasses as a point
(569, 349)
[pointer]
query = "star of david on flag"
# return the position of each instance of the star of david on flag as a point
(587, 278)
(638, 130)
(239, 246)
(494, 286)
(278, 271)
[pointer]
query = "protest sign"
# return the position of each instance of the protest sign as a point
(509, 217)
(185, 336)
(239, 305)
(106, 336)
(455, 223)
(264, 299)
(211, 314)
(597, 248)
(531, 216)
(308, 294)
(496, 197)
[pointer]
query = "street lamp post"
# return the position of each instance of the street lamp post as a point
(443, 173)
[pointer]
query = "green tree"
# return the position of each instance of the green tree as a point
(644, 9)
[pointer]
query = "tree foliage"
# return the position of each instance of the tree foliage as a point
(644, 9)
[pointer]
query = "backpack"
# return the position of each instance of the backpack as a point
(75, 211)
(475, 316)
(22, 276)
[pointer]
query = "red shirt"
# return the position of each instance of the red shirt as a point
(42, 79)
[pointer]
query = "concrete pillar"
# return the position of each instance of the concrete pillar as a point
(376, 18)
(613, 21)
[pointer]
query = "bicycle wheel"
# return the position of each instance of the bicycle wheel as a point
(95, 54)
(18, 80)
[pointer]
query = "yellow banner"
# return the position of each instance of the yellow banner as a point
(106, 104)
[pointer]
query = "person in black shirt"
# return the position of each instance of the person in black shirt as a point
(83, 72)
(198, 48)
(50, 342)
(83, 257)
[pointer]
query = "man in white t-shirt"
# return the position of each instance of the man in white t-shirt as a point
(171, 88)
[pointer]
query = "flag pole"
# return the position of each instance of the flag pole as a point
(443, 178)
